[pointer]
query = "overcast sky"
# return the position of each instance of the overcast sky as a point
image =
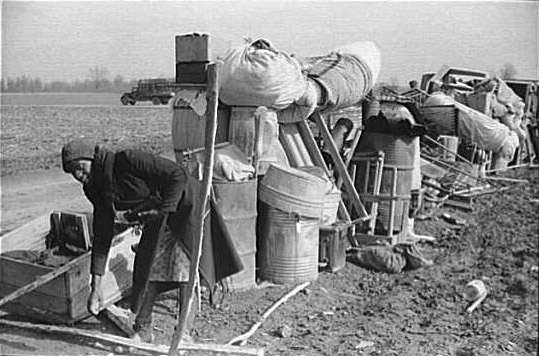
(61, 40)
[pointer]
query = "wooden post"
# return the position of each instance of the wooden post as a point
(211, 131)
(339, 165)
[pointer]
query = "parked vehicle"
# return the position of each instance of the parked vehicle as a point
(158, 91)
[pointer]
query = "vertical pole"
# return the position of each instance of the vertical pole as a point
(211, 131)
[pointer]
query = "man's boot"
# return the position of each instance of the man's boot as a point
(143, 322)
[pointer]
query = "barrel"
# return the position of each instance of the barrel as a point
(188, 129)
(288, 246)
(237, 205)
(400, 152)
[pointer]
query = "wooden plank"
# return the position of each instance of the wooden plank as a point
(119, 317)
(459, 205)
(160, 349)
(316, 155)
(339, 165)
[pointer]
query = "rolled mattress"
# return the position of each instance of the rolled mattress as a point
(473, 126)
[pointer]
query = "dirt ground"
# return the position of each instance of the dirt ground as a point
(353, 311)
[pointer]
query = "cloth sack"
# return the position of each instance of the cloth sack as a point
(257, 74)
(389, 259)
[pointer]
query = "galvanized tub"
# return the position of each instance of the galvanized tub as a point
(294, 191)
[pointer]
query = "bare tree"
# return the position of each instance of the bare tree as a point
(98, 75)
(507, 71)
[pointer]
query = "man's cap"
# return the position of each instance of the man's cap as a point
(76, 149)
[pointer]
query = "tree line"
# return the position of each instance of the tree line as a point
(96, 81)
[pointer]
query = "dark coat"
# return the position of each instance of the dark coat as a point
(129, 178)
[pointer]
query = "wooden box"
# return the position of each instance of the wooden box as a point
(192, 47)
(191, 72)
(72, 228)
(63, 299)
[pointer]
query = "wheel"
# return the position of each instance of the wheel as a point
(132, 102)
(124, 100)
(156, 100)
(164, 101)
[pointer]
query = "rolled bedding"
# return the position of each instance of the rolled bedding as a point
(346, 75)
(473, 126)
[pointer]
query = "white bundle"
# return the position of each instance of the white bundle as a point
(256, 74)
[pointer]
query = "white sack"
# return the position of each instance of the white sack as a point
(256, 74)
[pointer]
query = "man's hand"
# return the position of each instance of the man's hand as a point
(95, 300)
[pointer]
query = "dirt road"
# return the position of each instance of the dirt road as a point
(27, 196)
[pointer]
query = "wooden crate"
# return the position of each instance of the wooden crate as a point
(63, 299)
(193, 47)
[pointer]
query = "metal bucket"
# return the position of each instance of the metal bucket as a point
(398, 168)
(330, 207)
(288, 246)
(237, 204)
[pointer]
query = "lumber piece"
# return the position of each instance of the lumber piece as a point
(459, 205)
(159, 349)
(41, 280)
(339, 165)
(242, 339)
(308, 138)
(510, 180)
(209, 144)
(524, 165)
(119, 317)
